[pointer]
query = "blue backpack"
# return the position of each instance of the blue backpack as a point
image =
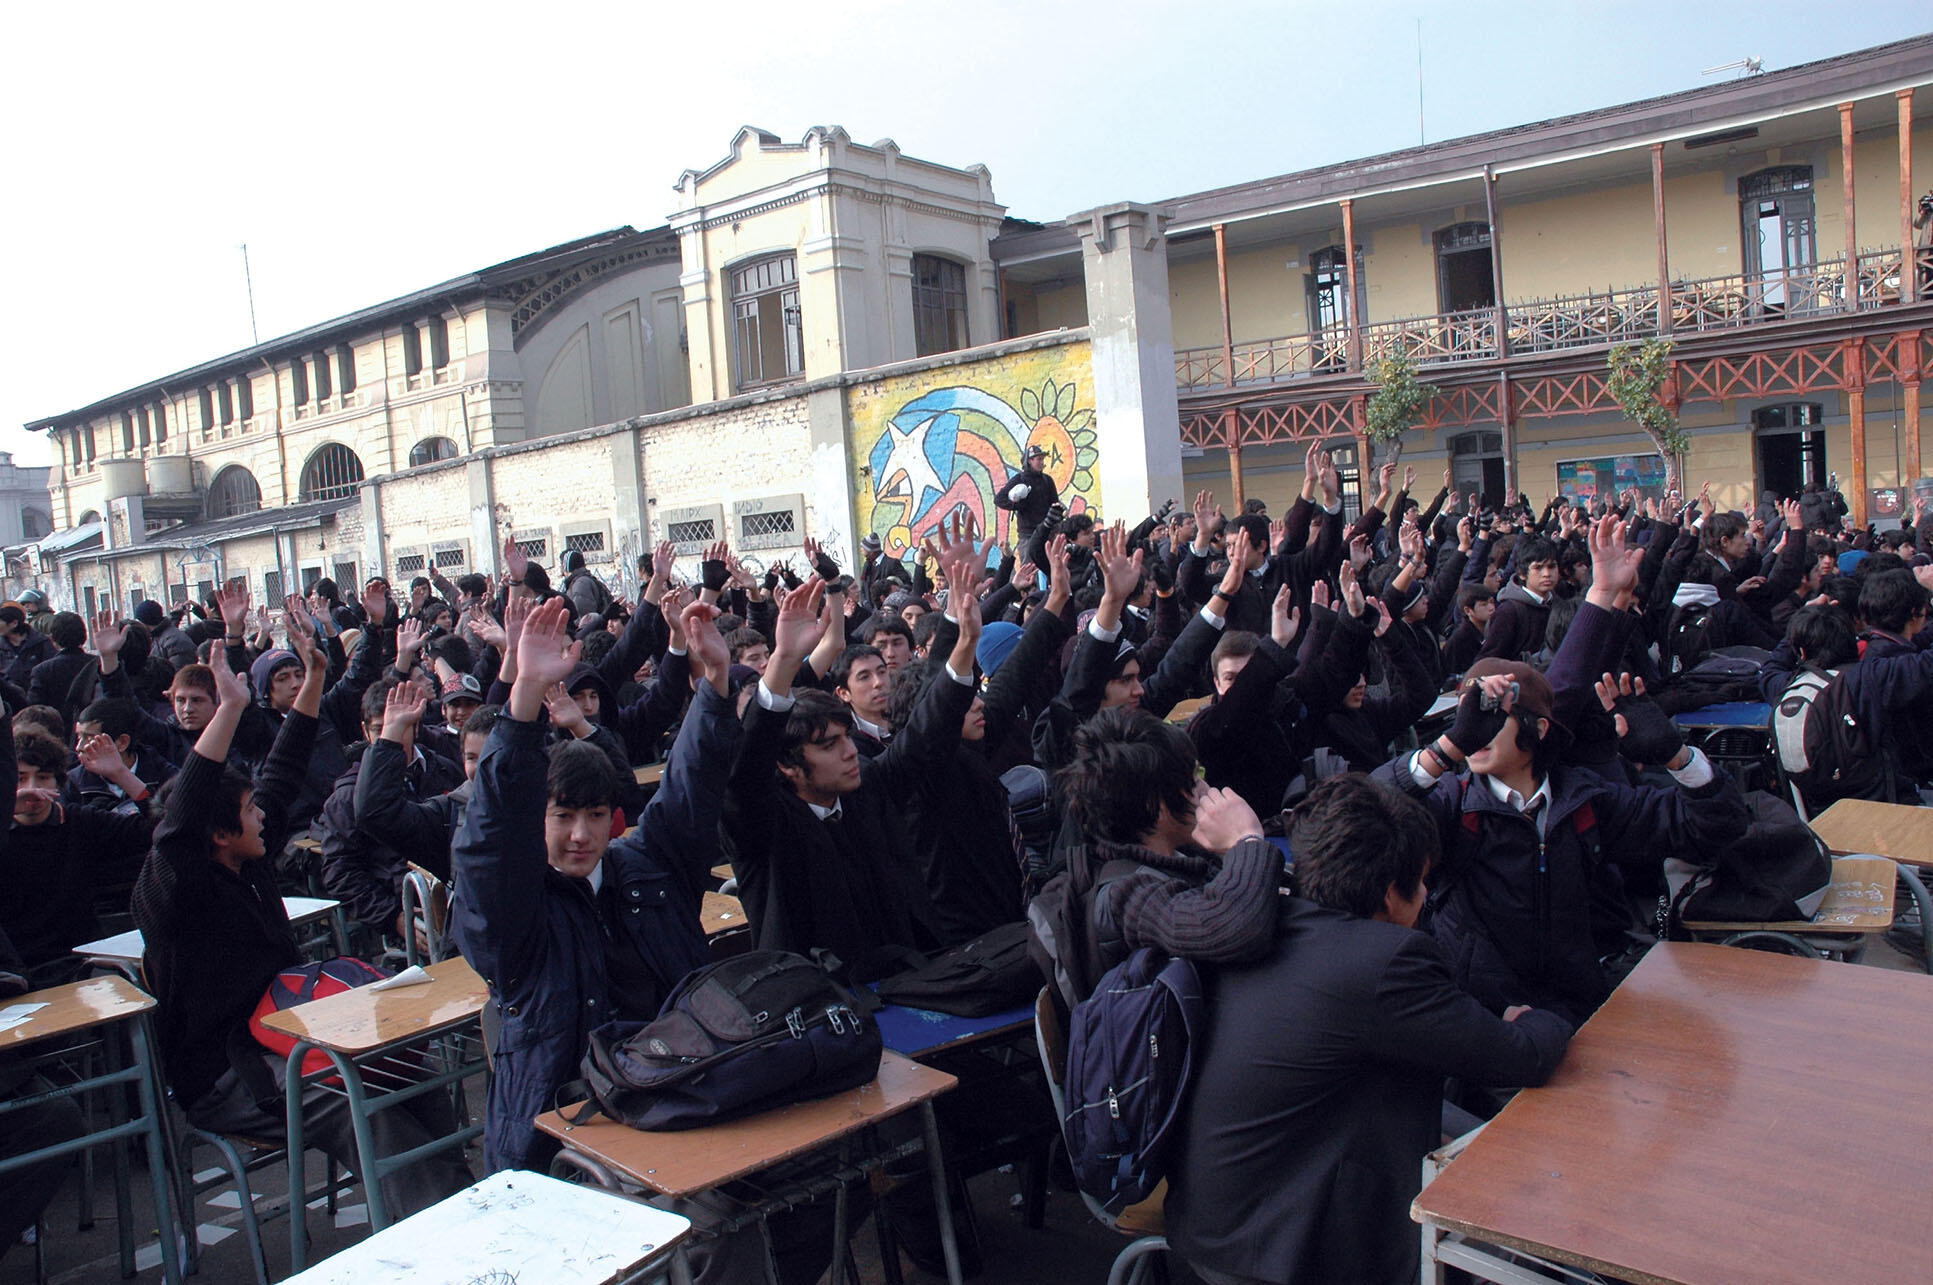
(1129, 1064)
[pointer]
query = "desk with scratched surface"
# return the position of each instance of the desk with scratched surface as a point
(1728, 1115)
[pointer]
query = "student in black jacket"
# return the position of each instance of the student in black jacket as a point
(53, 678)
(1319, 1087)
(114, 719)
(217, 934)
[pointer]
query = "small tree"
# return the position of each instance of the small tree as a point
(1398, 402)
(1635, 378)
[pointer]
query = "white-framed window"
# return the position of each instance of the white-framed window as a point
(766, 321)
(592, 539)
(691, 528)
(770, 522)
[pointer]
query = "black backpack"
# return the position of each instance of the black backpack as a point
(1687, 637)
(750, 1033)
(990, 974)
(1130, 1063)
(1777, 871)
(1823, 746)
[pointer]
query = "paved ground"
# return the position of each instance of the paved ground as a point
(1069, 1248)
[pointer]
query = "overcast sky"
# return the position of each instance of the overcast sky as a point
(366, 150)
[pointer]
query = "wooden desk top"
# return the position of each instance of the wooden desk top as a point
(1860, 900)
(1728, 1115)
(649, 774)
(512, 1226)
(360, 1020)
(722, 870)
(1185, 710)
(1896, 830)
(74, 1007)
(693, 1160)
(721, 913)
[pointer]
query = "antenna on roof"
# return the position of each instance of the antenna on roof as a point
(249, 278)
(1421, 138)
(1751, 65)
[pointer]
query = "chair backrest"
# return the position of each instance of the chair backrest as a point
(426, 908)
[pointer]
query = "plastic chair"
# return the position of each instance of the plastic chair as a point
(1143, 1221)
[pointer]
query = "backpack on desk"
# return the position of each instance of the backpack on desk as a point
(990, 974)
(1130, 1061)
(757, 1031)
(1778, 871)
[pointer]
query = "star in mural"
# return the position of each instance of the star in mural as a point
(908, 458)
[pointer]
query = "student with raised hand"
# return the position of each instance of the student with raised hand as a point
(1319, 1082)
(1530, 893)
(217, 934)
(568, 928)
(823, 855)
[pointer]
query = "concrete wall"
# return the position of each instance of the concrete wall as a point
(926, 444)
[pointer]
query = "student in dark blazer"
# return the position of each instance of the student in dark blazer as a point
(1320, 1082)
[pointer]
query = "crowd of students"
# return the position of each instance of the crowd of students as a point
(896, 756)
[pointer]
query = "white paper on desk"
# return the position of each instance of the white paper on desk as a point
(414, 975)
(17, 1014)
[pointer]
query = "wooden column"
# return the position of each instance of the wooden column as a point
(1228, 324)
(1909, 378)
(1365, 449)
(1507, 405)
(1349, 267)
(1658, 217)
(1909, 275)
(1851, 299)
(1232, 427)
(1855, 360)
(1496, 260)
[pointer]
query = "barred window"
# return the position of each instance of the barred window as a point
(331, 473)
(233, 492)
(410, 564)
(345, 578)
(585, 542)
(755, 525)
(536, 547)
(272, 587)
(451, 558)
(700, 530)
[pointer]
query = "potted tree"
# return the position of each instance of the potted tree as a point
(1635, 377)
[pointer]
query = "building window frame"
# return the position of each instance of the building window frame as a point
(331, 472)
(939, 305)
(233, 492)
(767, 325)
(1783, 197)
(432, 449)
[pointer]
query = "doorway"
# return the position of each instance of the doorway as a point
(1463, 278)
(1476, 464)
(1791, 448)
(1779, 233)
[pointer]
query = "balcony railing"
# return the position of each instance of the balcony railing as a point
(1698, 306)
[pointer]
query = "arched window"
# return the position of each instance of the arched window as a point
(234, 491)
(331, 473)
(34, 524)
(92, 515)
(432, 449)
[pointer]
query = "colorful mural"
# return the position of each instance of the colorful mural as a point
(927, 445)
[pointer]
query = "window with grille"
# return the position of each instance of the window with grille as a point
(430, 450)
(588, 543)
(344, 574)
(939, 305)
(698, 531)
(309, 576)
(272, 587)
(450, 557)
(765, 320)
(753, 526)
(233, 492)
(410, 564)
(331, 473)
(535, 547)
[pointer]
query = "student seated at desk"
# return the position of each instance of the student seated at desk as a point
(217, 934)
(1319, 1086)
(569, 929)
(60, 856)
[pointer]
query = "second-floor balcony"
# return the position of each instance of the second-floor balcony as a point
(1699, 306)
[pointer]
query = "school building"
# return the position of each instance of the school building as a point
(834, 337)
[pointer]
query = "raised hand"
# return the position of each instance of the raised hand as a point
(300, 629)
(799, 625)
(1284, 620)
(1208, 517)
(375, 602)
(402, 710)
(1278, 532)
(232, 599)
(1120, 571)
(108, 636)
(545, 652)
(1352, 594)
(1319, 594)
(516, 613)
(485, 627)
(1238, 550)
(1794, 518)
(565, 712)
(705, 646)
(1060, 578)
(1646, 733)
(1383, 619)
(1614, 564)
(409, 641)
(1327, 480)
(1384, 477)
(98, 755)
(1466, 533)
(515, 561)
(1409, 477)
(661, 556)
(1223, 819)
(231, 688)
(1359, 553)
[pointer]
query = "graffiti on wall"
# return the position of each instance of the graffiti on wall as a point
(928, 445)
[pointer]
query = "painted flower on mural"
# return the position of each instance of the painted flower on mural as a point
(1063, 431)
